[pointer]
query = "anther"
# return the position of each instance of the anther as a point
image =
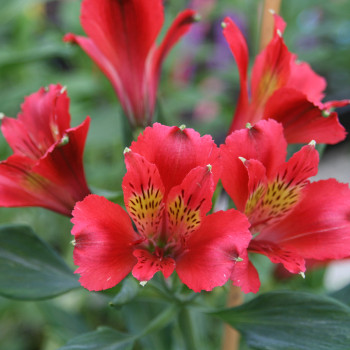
(64, 89)
(209, 166)
(248, 126)
(223, 25)
(126, 150)
(302, 274)
(143, 283)
(64, 140)
(238, 259)
(197, 17)
(182, 127)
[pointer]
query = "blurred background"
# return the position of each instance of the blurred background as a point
(199, 87)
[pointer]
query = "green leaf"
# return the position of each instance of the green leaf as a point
(342, 295)
(29, 268)
(127, 293)
(291, 321)
(102, 339)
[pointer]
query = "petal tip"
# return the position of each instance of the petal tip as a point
(312, 143)
(126, 150)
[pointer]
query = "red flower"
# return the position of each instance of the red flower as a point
(291, 218)
(167, 191)
(121, 41)
(46, 168)
(283, 89)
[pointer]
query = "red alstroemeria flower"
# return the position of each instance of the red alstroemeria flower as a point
(46, 168)
(282, 89)
(121, 41)
(291, 218)
(167, 191)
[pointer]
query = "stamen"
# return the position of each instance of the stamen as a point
(182, 127)
(302, 274)
(126, 150)
(223, 25)
(248, 126)
(143, 283)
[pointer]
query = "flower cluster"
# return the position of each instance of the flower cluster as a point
(172, 172)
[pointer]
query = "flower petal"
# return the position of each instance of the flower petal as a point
(245, 275)
(104, 240)
(21, 187)
(302, 120)
(179, 27)
(212, 251)
(270, 72)
(148, 264)
(263, 142)
(143, 194)
(318, 228)
(188, 203)
(239, 49)
(42, 122)
(291, 260)
(63, 163)
(176, 151)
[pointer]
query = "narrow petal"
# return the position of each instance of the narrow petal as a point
(212, 251)
(179, 27)
(302, 120)
(188, 203)
(282, 192)
(318, 228)
(176, 151)
(143, 194)
(104, 240)
(108, 69)
(270, 72)
(291, 260)
(239, 49)
(148, 264)
(43, 121)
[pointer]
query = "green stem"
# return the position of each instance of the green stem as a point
(161, 321)
(188, 330)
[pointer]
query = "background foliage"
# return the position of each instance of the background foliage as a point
(200, 94)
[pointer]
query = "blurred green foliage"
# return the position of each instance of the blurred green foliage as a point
(33, 55)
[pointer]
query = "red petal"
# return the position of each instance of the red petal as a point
(239, 49)
(143, 194)
(175, 152)
(188, 203)
(148, 264)
(104, 240)
(245, 275)
(300, 167)
(270, 72)
(291, 260)
(318, 228)
(305, 80)
(179, 27)
(63, 164)
(20, 187)
(302, 120)
(42, 122)
(212, 250)
(263, 142)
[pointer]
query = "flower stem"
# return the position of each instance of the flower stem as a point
(188, 330)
